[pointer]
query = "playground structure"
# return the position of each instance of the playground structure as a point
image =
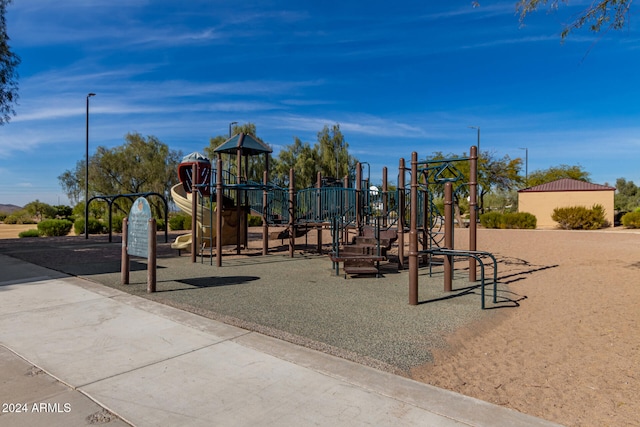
(202, 213)
(364, 221)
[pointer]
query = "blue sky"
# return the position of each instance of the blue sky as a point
(397, 76)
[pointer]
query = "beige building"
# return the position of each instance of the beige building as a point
(541, 200)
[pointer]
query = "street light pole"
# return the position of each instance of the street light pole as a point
(526, 166)
(86, 173)
(231, 124)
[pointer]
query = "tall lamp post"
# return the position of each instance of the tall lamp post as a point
(231, 124)
(86, 173)
(526, 166)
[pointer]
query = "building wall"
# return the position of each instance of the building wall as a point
(542, 204)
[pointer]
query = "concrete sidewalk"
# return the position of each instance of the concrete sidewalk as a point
(153, 365)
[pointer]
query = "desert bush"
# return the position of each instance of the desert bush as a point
(631, 219)
(523, 220)
(29, 233)
(3, 215)
(54, 227)
(491, 219)
(254, 221)
(580, 217)
(19, 217)
(95, 226)
(116, 223)
(180, 221)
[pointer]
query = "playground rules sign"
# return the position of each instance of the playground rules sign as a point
(139, 239)
(138, 228)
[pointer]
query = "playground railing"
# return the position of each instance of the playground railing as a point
(478, 256)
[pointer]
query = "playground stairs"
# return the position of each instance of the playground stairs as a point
(364, 254)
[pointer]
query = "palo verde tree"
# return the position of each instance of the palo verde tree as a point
(9, 62)
(140, 165)
(599, 15)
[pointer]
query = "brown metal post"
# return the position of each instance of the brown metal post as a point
(385, 197)
(448, 235)
(265, 226)
(292, 213)
(219, 212)
(345, 229)
(151, 257)
(473, 206)
(319, 207)
(194, 212)
(239, 180)
(413, 233)
(124, 262)
(401, 213)
(358, 197)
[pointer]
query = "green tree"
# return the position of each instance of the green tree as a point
(607, 14)
(300, 157)
(494, 174)
(39, 210)
(333, 153)
(9, 62)
(554, 173)
(329, 156)
(627, 197)
(140, 165)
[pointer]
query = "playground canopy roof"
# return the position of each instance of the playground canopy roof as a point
(246, 143)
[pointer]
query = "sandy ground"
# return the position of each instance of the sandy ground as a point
(570, 351)
(11, 231)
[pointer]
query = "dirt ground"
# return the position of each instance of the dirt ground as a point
(570, 351)
(11, 231)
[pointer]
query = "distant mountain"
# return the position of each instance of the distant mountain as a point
(9, 208)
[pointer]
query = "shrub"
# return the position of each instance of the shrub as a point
(491, 219)
(580, 218)
(254, 221)
(116, 223)
(631, 219)
(160, 225)
(19, 217)
(54, 227)
(180, 222)
(95, 226)
(29, 233)
(523, 220)
(3, 215)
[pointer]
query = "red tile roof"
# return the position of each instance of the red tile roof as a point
(567, 184)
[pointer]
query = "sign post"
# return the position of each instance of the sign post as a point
(139, 239)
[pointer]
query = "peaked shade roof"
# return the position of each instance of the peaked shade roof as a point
(566, 184)
(246, 143)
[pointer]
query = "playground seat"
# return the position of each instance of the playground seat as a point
(182, 242)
